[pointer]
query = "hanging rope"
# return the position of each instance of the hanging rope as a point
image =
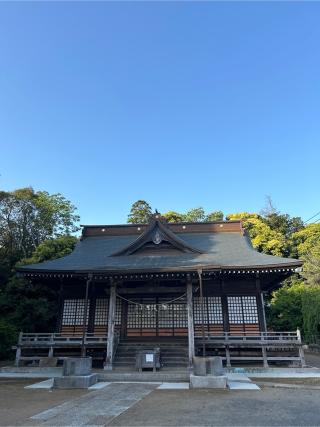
(140, 304)
(157, 304)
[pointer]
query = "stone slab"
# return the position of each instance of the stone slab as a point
(238, 377)
(208, 381)
(96, 408)
(47, 384)
(99, 385)
(238, 385)
(174, 386)
(69, 382)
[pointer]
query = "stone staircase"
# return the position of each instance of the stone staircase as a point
(174, 354)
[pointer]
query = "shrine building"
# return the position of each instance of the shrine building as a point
(189, 288)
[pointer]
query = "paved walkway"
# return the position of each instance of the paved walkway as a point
(96, 408)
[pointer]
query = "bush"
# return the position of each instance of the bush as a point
(8, 337)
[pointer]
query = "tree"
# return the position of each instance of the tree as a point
(51, 249)
(34, 226)
(285, 311)
(140, 212)
(214, 216)
(26, 306)
(172, 216)
(263, 238)
(27, 218)
(195, 215)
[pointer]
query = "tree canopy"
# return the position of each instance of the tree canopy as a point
(34, 227)
(27, 218)
(140, 212)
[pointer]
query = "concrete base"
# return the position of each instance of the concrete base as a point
(80, 381)
(208, 381)
(77, 366)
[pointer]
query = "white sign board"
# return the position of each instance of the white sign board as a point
(149, 357)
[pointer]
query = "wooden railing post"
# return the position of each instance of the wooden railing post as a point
(18, 350)
(301, 351)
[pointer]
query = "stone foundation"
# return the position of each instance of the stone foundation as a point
(208, 381)
(79, 381)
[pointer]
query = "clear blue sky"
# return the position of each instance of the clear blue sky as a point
(181, 104)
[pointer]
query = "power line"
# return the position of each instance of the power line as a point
(312, 217)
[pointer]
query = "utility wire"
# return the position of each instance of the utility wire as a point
(312, 217)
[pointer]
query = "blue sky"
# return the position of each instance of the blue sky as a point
(181, 104)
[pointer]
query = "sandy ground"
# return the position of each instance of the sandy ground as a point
(17, 404)
(272, 407)
(313, 359)
(269, 407)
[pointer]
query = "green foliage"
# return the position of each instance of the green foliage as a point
(28, 306)
(306, 239)
(8, 337)
(140, 212)
(214, 216)
(195, 215)
(172, 216)
(34, 227)
(27, 218)
(311, 312)
(285, 309)
(51, 249)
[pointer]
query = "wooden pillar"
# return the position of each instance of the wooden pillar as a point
(190, 323)
(202, 313)
(111, 324)
(60, 307)
(85, 313)
(92, 308)
(224, 304)
(260, 305)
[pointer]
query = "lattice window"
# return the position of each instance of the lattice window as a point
(180, 315)
(165, 314)
(250, 310)
(101, 312)
(197, 316)
(117, 319)
(243, 309)
(133, 319)
(73, 312)
(214, 310)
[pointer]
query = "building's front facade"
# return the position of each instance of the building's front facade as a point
(198, 283)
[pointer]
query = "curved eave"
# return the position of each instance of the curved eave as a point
(175, 271)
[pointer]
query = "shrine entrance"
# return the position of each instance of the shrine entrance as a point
(157, 317)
